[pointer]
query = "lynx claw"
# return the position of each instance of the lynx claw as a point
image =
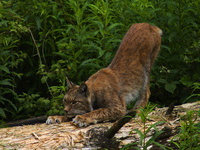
(49, 121)
(80, 121)
(53, 120)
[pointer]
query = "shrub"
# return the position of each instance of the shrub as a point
(43, 41)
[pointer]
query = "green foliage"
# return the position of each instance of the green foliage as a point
(10, 33)
(189, 135)
(172, 72)
(43, 41)
(144, 143)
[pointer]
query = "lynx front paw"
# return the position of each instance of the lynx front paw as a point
(83, 121)
(54, 119)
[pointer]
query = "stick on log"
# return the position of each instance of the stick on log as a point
(117, 126)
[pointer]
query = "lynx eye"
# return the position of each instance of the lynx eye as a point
(64, 101)
(74, 102)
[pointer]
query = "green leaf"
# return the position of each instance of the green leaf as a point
(77, 54)
(88, 61)
(142, 135)
(160, 145)
(162, 81)
(2, 113)
(131, 146)
(114, 25)
(3, 99)
(154, 125)
(170, 87)
(44, 79)
(101, 53)
(12, 104)
(38, 22)
(6, 82)
(5, 69)
(186, 80)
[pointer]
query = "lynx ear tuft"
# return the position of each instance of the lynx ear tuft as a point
(83, 88)
(69, 83)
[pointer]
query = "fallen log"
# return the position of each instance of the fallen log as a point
(67, 136)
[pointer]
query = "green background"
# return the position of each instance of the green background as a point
(43, 41)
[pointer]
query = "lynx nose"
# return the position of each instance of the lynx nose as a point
(66, 109)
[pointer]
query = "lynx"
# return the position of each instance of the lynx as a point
(105, 95)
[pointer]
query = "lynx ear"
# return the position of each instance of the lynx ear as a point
(69, 83)
(83, 89)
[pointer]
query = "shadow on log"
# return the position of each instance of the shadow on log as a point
(30, 121)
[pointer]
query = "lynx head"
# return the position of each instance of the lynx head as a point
(76, 100)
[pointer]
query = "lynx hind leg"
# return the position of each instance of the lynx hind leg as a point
(144, 98)
(55, 119)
